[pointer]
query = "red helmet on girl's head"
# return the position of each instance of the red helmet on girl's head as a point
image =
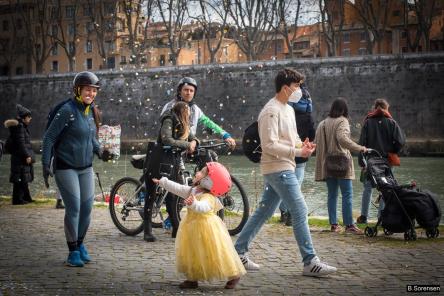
(218, 180)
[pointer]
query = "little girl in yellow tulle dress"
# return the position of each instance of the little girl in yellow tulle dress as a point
(204, 249)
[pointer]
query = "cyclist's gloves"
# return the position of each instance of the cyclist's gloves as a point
(105, 155)
(46, 173)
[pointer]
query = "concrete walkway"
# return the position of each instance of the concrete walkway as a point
(33, 249)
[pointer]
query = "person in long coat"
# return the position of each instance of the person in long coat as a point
(22, 156)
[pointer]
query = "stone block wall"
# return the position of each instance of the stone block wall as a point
(232, 95)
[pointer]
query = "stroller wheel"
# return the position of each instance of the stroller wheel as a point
(410, 235)
(432, 233)
(387, 232)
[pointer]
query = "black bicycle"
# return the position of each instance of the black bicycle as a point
(127, 197)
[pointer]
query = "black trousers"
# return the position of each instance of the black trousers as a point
(20, 193)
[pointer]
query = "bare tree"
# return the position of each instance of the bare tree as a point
(332, 22)
(287, 20)
(253, 20)
(174, 16)
(137, 26)
(9, 47)
(102, 23)
(424, 13)
(212, 18)
(413, 33)
(67, 39)
(36, 18)
(374, 16)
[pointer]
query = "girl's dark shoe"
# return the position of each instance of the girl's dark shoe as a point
(231, 284)
(189, 285)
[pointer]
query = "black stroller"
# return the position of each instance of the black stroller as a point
(404, 204)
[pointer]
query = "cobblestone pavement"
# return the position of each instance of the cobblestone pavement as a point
(33, 249)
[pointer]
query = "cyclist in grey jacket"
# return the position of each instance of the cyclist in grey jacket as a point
(186, 90)
(71, 140)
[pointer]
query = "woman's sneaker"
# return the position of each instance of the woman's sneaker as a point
(353, 229)
(74, 259)
(248, 264)
(317, 268)
(84, 256)
(336, 228)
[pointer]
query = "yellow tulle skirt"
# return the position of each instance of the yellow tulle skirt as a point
(204, 249)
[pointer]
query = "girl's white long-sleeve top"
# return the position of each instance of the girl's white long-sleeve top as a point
(184, 191)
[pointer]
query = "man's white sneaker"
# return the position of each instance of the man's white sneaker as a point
(248, 264)
(318, 268)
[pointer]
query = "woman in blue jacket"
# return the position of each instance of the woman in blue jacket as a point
(68, 147)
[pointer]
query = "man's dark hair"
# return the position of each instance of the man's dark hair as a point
(287, 77)
(339, 108)
(381, 103)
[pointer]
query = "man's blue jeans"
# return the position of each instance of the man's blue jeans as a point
(300, 173)
(280, 186)
(346, 187)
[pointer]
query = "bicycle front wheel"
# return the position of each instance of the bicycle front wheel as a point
(236, 208)
(125, 205)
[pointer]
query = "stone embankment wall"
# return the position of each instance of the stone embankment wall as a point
(233, 95)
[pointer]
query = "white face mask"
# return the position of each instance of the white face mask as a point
(295, 96)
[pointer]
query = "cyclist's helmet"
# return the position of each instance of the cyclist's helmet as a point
(188, 81)
(85, 78)
(218, 180)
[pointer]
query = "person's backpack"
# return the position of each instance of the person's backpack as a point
(52, 113)
(251, 143)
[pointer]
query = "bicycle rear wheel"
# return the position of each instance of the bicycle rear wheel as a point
(125, 205)
(177, 204)
(236, 208)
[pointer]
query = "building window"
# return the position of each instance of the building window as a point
(38, 49)
(301, 45)
(54, 30)
(396, 13)
(363, 36)
(5, 25)
(419, 48)
(111, 63)
(71, 29)
(89, 46)
(54, 12)
(70, 11)
(19, 24)
(122, 60)
(89, 64)
(162, 60)
(19, 71)
(4, 44)
(362, 51)
(71, 47)
(110, 46)
(87, 10)
(225, 51)
(109, 26)
(89, 27)
(346, 52)
(404, 49)
(346, 37)
(55, 49)
(403, 34)
(55, 66)
(109, 7)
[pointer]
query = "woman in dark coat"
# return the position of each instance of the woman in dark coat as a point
(22, 156)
